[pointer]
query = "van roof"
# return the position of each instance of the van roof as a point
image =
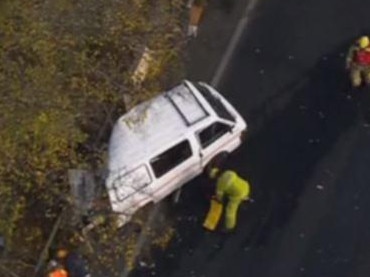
(148, 127)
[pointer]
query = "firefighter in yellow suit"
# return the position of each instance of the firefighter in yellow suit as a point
(235, 188)
(358, 61)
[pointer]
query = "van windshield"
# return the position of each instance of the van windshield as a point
(215, 102)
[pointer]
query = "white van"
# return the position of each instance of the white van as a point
(163, 143)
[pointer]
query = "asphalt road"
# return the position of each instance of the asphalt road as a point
(306, 156)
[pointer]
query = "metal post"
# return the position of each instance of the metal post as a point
(44, 252)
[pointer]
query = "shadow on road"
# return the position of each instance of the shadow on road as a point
(293, 132)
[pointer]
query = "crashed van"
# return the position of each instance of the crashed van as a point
(163, 143)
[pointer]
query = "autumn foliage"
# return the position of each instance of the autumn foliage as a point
(64, 68)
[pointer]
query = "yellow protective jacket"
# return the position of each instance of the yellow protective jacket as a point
(231, 185)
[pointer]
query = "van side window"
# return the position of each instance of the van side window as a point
(171, 158)
(210, 134)
(215, 102)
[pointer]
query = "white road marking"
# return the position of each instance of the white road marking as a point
(243, 22)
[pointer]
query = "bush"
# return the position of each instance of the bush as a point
(64, 68)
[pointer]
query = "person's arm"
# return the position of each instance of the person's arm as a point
(351, 53)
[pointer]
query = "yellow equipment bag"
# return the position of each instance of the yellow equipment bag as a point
(213, 216)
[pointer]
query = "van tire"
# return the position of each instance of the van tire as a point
(216, 161)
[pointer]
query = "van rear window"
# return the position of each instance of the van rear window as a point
(171, 158)
(215, 102)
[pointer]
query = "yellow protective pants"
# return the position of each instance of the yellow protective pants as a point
(359, 74)
(231, 212)
(236, 190)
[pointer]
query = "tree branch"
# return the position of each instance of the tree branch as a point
(7, 270)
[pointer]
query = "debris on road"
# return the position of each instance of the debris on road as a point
(257, 51)
(312, 141)
(144, 264)
(162, 240)
(320, 187)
